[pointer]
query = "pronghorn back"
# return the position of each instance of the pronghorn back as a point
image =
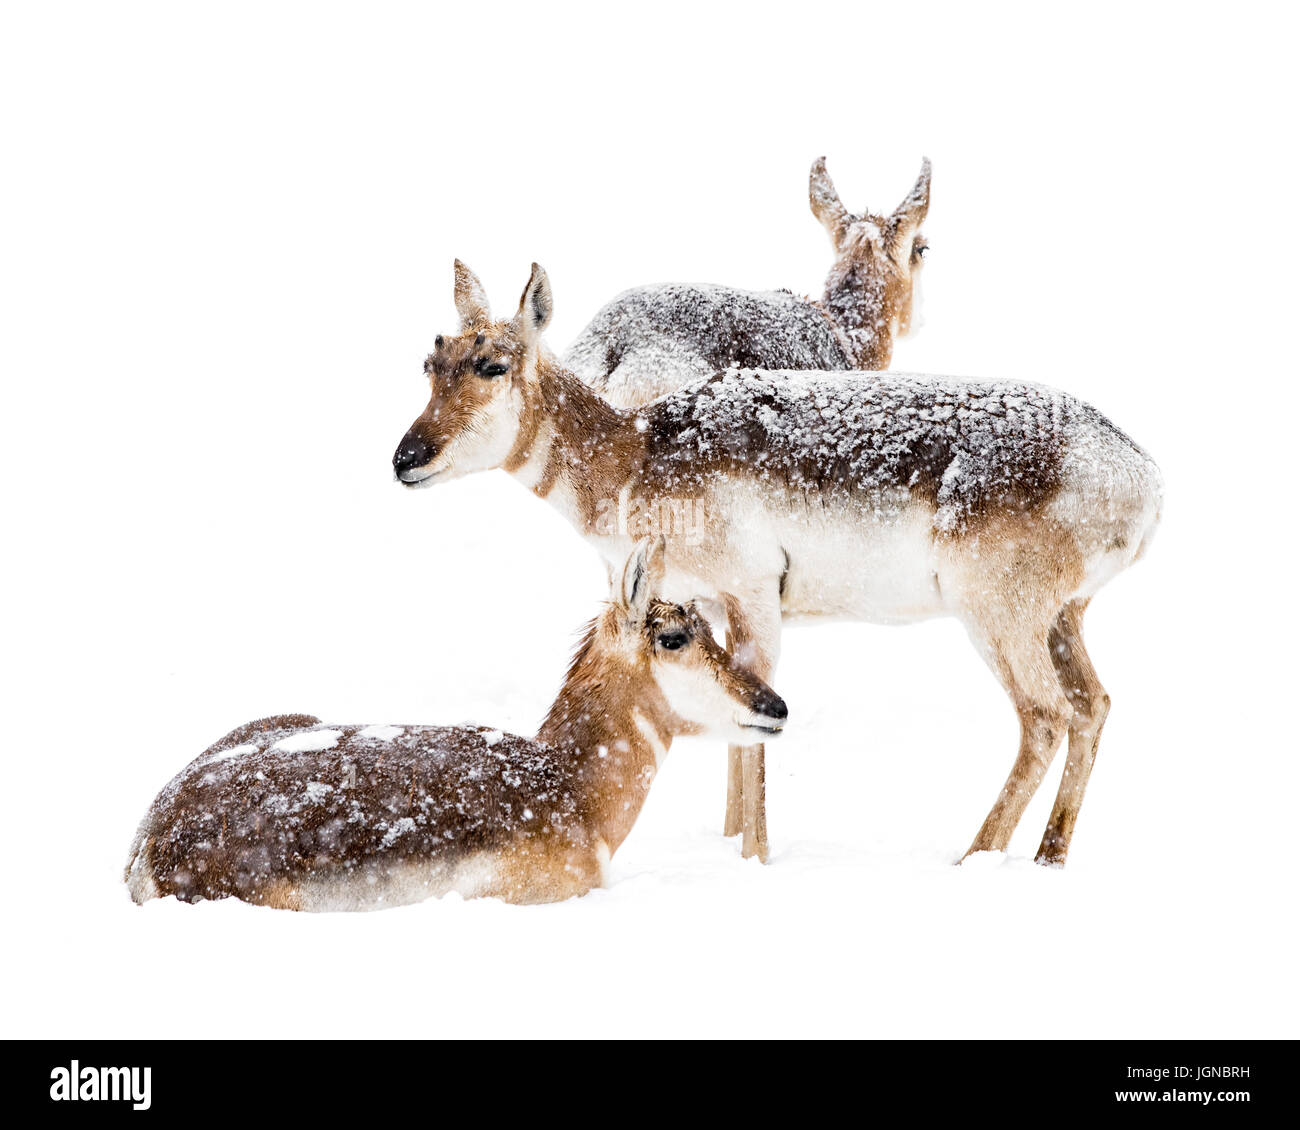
(650, 340)
(398, 806)
(966, 448)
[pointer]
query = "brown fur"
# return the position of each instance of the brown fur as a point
(240, 828)
(458, 392)
(1023, 480)
(595, 669)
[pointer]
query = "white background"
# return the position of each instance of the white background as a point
(227, 243)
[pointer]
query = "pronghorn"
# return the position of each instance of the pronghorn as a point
(288, 813)
(1005, 505)
(653, 339)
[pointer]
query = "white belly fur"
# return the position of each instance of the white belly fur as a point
(381, 887)
(840, 560)
(876, 560)
(843, 559)
(877, 569)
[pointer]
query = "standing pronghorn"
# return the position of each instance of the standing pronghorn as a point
(653, 339)
(289, 813)
(1005, 505)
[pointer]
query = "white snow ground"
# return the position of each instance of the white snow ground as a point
(220, 294)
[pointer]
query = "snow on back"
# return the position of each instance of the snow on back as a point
(234, 751)
(317, 791)
(398, 828)
(308, 741)
(653, 339)
(381, 733)
(960, 445)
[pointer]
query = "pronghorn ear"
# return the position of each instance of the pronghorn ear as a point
(913, 210)
(535, 306)
(825, 202)
(471, 298)
(654, 563)
(642, 576)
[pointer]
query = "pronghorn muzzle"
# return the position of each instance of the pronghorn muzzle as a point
(411, 458)
(769, 704)
(766, 704)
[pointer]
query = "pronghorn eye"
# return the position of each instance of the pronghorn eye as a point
(672, 641)
(486, 368)
(919, 248)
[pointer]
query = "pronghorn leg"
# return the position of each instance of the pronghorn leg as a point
(754, 841)
(1021, 661)
(753, 636)
(733, 821)
(1091, 704)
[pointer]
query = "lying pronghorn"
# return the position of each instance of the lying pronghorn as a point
(653, 339)
(804, 494)
(289, 813)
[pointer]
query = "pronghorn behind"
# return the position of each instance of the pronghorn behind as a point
(653, 339)
(1005, 505)
(288, 813)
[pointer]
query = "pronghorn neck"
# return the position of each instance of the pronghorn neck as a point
(573, 439)
(611, 721)
(857, 305)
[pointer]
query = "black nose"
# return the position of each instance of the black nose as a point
(769, 704)
(412, 454)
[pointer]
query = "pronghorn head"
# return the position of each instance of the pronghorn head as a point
(706, 690)
(478, 379)
(879, 253)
